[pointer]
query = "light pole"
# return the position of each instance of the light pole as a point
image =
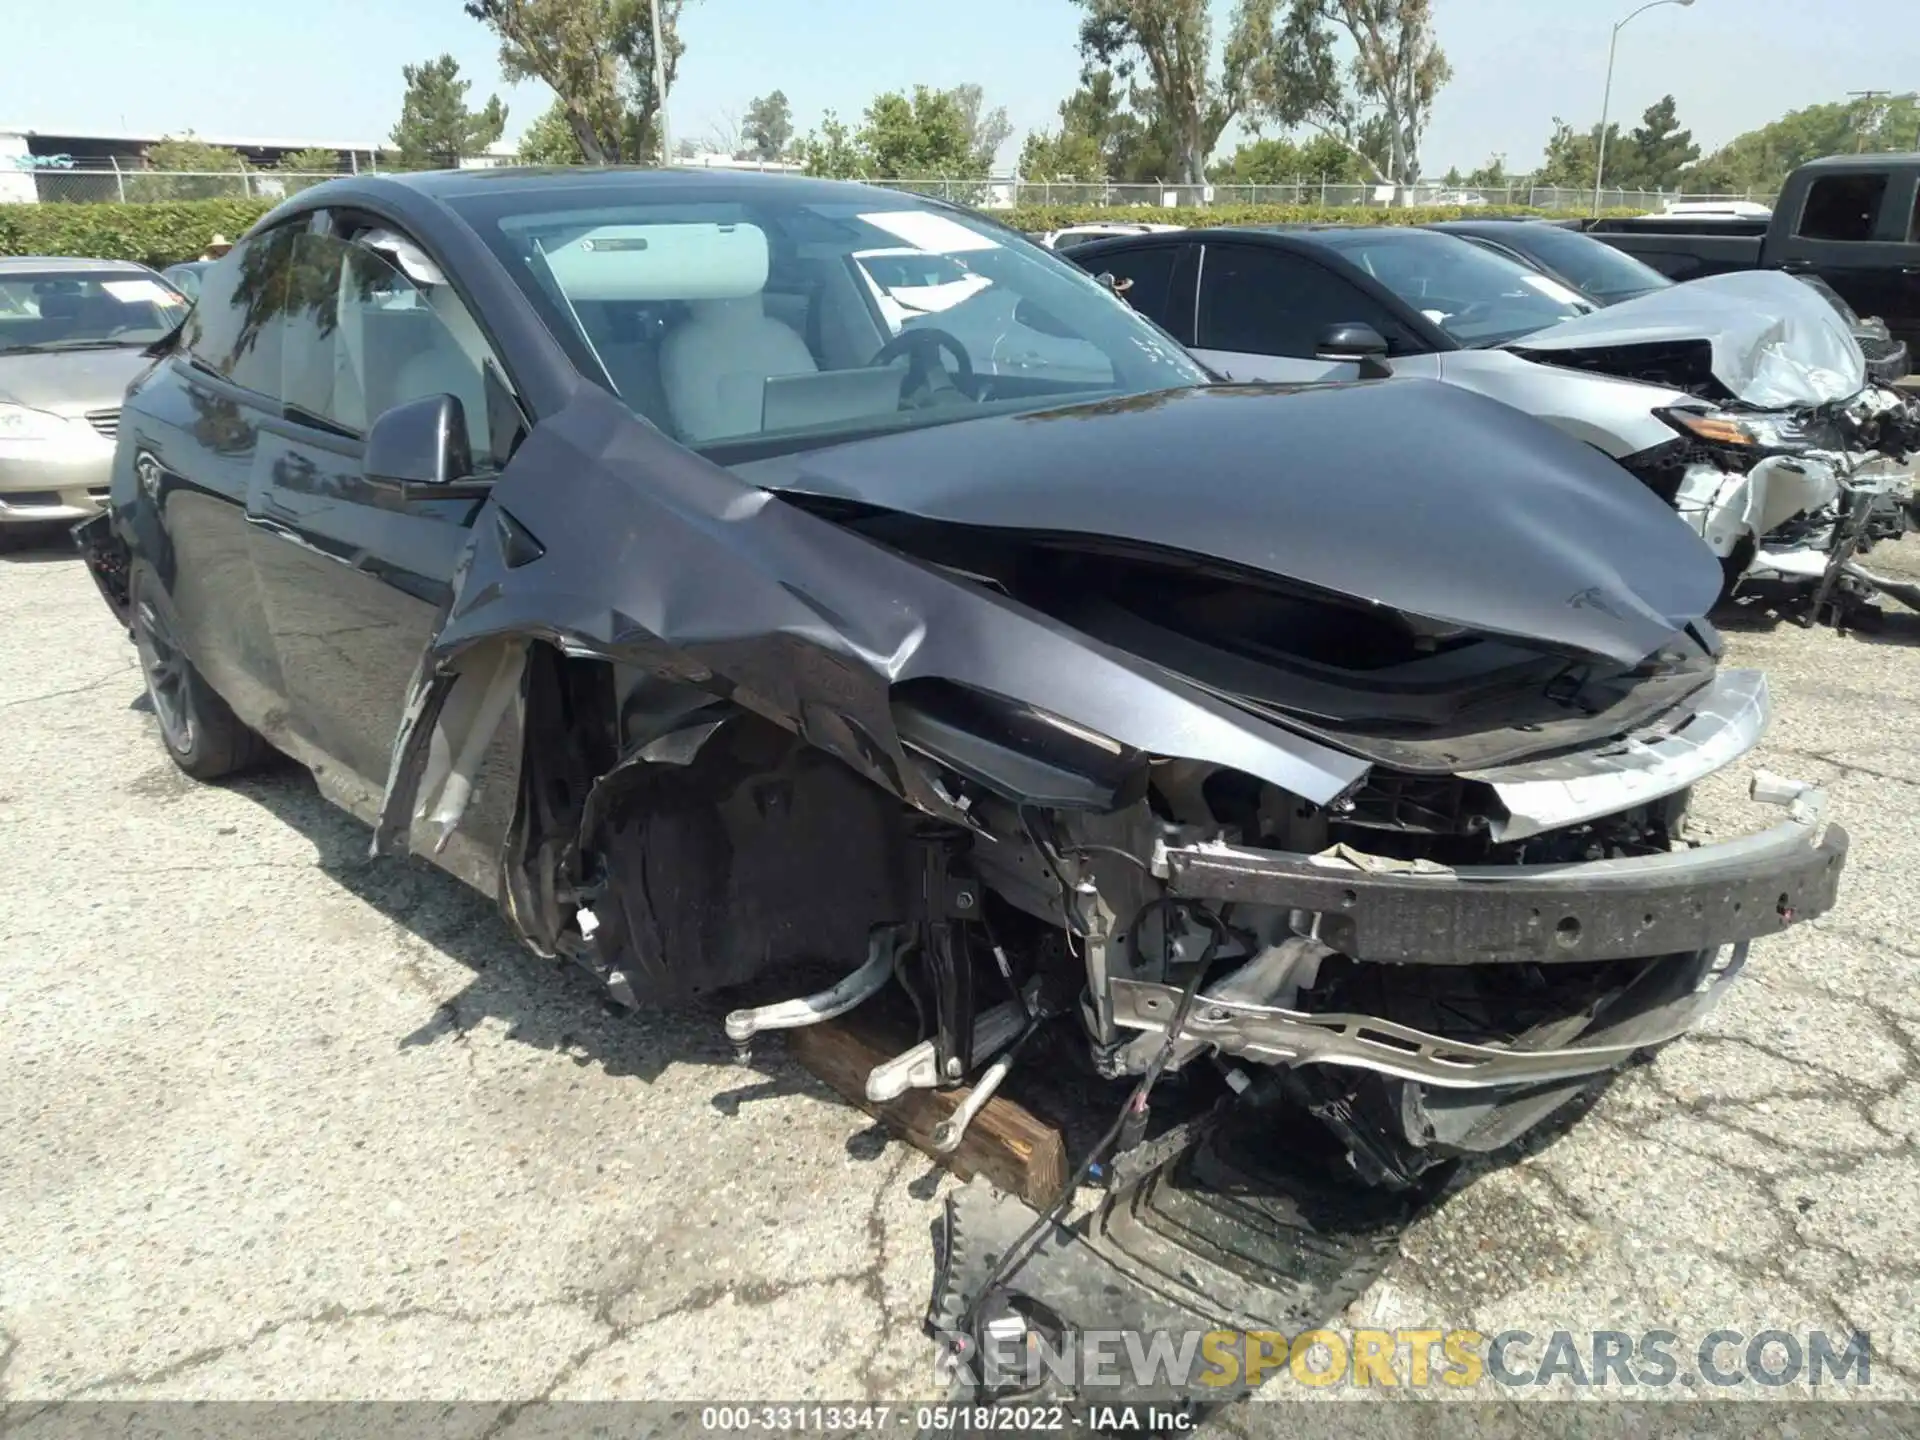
(660, 82)
(1606, 101)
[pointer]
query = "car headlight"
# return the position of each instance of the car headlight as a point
(1755, 430)
(21, 422)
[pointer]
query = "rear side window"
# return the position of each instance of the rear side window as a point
(236, 324)
(1590, 265)
(1149, 270)
(1843, 207)
(1255, 301)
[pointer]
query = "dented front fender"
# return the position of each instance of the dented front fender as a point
(605, 540)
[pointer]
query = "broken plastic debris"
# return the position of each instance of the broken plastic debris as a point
(1771, 789)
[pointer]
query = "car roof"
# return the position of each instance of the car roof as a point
(1886, 160)
(1317, 236)
(1505, 225)
(40, 264)
(625, 180)
(1280, 236)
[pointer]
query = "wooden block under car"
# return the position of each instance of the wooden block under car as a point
(1007, 1143)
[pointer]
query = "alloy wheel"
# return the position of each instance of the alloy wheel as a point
(166, 672)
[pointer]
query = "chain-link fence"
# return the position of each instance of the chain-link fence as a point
(84, 187)
(127, 184)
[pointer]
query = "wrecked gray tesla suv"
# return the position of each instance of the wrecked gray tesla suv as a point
(598, 536)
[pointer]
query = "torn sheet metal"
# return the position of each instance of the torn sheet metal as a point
(1776, 344)
(463, 728)
(1725, 722)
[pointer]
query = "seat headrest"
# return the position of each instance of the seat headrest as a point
(661, 262)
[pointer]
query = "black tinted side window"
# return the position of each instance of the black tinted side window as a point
(236, 326)
(1843, 207)
(1147, 274)
(1266, 302)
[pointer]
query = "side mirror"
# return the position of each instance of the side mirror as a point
(1355, 344)
(420, 448)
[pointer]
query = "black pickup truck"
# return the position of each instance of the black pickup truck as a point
(1852, 220)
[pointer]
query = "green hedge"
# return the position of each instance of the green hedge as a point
(165, 232)
(157, 234)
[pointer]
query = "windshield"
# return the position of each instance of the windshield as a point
(1475, 296)
(1591, 266)
(775, 319)
(84, 310)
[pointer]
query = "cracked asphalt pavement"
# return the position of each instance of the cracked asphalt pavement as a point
(280, 1121)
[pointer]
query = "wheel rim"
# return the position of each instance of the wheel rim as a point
(166, 672)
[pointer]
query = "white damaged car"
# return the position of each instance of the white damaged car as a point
(1791, 463)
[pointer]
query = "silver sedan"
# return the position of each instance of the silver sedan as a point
(73, 335)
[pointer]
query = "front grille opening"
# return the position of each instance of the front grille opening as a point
(107, 422)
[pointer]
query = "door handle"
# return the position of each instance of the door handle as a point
(1796, 267)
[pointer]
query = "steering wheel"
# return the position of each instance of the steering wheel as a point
(920, 347)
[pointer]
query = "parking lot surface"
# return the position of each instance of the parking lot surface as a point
(281, 1121)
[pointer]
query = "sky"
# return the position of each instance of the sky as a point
(276, 69)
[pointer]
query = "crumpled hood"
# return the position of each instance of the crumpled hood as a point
(71, 382)
(1777, 344)
(1407, 493)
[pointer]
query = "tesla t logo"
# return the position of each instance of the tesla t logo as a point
(1593, 598)
(147, 471)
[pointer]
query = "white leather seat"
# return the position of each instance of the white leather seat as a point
(714, 366)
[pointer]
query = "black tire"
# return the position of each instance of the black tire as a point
(199, 731)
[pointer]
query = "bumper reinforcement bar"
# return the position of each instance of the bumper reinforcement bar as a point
(1687, 900)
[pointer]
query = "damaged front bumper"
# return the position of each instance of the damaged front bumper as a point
(1805, 520)
(1696, 900)
(1875, 504)
(106, 558)
(1752, 471)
